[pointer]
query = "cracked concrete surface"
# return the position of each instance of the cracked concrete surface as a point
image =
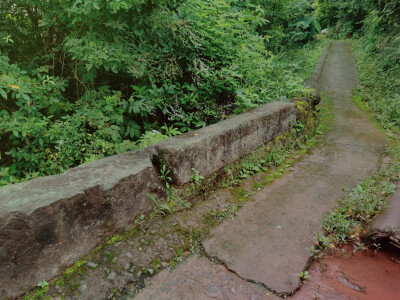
(216, 283)
(266, 242)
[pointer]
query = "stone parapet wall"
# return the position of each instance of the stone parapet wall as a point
(47, 223)
(211, 148)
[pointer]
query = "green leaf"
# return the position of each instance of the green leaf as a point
(317, 25)
(3, 94)
(133, 129)
(304, 22)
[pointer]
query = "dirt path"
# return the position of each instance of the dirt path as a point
(266, 242)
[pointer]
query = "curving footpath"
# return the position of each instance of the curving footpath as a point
(263, 248)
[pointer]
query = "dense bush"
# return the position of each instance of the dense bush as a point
(82, 79)
(348, 17)
(378, 56)
(345, 16)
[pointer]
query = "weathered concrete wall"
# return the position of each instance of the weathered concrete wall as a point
(213, 147)
(48, 223)
(312, 82)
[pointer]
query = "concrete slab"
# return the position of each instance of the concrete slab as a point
(199, 279)
(267, 240)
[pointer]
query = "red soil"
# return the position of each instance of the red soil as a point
(364, 275)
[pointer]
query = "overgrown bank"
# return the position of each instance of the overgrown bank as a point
(86, 79)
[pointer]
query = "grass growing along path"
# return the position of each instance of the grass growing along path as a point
(378, 95)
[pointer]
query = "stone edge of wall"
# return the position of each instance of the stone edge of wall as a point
(60, 218)
(211, 148)
(312, 82)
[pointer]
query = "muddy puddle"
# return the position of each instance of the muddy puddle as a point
(364, 275)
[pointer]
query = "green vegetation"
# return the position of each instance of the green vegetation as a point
(196, 177)
(84, 79)
(351, 215)
(376, 32)
(304, 275)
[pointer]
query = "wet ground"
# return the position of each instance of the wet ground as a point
(363, 275)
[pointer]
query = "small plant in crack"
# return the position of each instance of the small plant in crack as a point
(299, 128)
(156, 264)
(139, 219)
(40, 292)
(165, 176)
(321, 242)
(304, 275)
(196, 177)
(358, 246)
(179, 255)
(159, 208)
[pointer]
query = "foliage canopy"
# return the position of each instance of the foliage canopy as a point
(82, 79)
